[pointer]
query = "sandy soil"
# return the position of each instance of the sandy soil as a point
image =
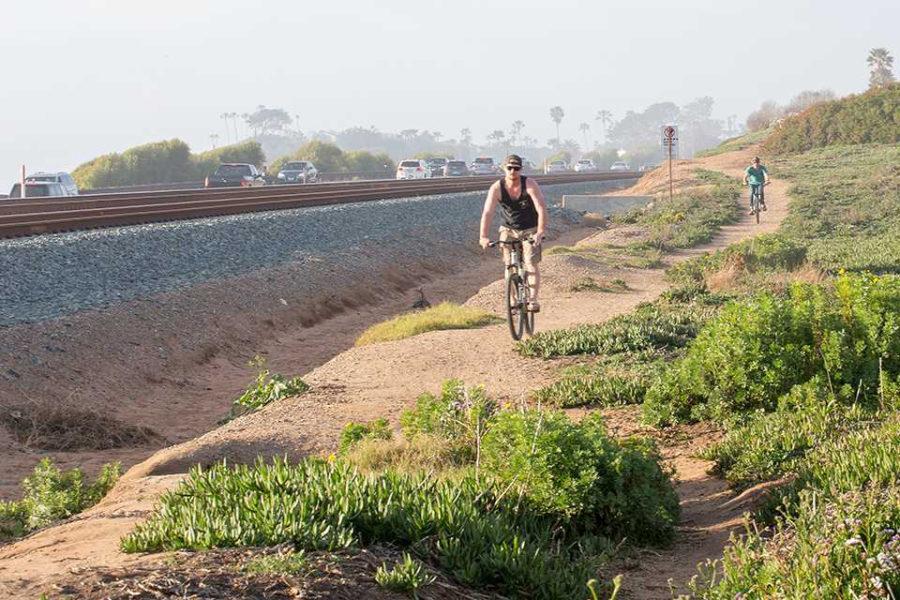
(380, 380)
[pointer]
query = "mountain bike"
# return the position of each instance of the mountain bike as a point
(757, 196)
(519, 318)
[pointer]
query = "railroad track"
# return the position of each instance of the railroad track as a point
(52, 215)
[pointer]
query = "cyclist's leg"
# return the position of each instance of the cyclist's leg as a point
(505, 235)
(531, 257)
(762, 196)
(754, 192)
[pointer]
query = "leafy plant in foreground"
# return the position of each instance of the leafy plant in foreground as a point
(407, 576)
(266, 389)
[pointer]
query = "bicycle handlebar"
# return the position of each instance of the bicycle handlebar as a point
(509, 242)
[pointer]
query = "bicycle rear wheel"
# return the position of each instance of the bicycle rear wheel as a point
(527, 315)
(515, 311)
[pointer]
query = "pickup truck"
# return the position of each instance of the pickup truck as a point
(235, 175)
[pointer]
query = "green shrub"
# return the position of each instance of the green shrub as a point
(771, 445)
(756, 350)
(353, 433)
(266, 389)
(291, 563)
(407, 576)
(857, 119)
(650, 326)
(480, 539)
(459, 415)
(610, 382)
(576, 472)
(244, 152)
(740, 142)
(52, 495)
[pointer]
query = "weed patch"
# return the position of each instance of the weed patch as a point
(267, 388)
(589, 284)
(445, 315)
(52, 495)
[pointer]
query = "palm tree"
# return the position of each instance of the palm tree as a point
(585, 129)
(225, 116)
(213, 137)
(515, 130)
(234, 117)
(496, 137)
(557, 114)
(465, 136)
(605, 118)
(880, 68)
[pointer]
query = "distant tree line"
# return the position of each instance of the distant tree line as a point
(329, 158)
(161, 162)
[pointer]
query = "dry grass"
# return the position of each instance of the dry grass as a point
(446, 315)
(61, 426)
(422, 453)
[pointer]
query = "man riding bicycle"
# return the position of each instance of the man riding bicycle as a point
(757, 177)
(524, 219)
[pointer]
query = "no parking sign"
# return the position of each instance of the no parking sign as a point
(669, 137)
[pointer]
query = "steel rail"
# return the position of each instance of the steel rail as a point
(41, 216)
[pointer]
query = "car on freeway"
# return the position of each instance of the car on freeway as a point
(484, 165)
(412, 169)
(619, 165)
(298, 171)
(585, 165)
(437, 166)
(235, 175)
(39, 189)
(456, 168)
(556, 166)
(61, 177)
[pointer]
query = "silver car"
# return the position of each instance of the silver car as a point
(619, 165)
(38, 189)
(557, 166)
(61, 177)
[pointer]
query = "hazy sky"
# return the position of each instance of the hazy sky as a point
(85, 77)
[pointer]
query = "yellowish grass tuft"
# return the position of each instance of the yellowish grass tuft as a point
(443, 316)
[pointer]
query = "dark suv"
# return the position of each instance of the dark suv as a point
(456, 168)
(235, 175)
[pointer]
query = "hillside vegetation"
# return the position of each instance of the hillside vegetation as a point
(872, 117)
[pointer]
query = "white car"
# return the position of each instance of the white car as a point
(64, 179)
(412, 169)
(619, 166)
(483, 165)
(38, 189)
(585, 165)
(557, 166)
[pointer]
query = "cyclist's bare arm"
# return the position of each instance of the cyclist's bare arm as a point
(487, 214)
(540, 204)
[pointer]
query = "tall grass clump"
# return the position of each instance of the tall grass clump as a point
(445, 315)
(268, 387)
(756, 350)
(52, 495)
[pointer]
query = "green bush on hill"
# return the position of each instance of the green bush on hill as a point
(245, 152)
(52, 495)
(755, 350)
(872, 117)
(329, 158)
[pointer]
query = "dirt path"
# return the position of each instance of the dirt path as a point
(380, 380)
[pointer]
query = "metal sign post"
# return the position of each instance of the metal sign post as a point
(22, 183)
(669, 140)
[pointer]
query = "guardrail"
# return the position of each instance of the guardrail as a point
(26, 216)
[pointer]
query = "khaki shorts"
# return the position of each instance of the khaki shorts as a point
(531, 254)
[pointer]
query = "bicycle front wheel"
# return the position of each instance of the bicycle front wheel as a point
(515, 311)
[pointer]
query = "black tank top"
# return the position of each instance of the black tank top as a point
(518, 213)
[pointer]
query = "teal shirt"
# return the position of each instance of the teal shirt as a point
(756, 176)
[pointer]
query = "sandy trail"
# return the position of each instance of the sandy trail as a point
(381, 380)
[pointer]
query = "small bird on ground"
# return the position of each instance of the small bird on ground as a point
(421, 303)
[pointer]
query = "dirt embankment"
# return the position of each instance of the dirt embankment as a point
(380, 380)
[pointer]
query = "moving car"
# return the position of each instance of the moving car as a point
(412, 169)
(235, 175)
(557, 166)
(437, 166)
(619, 165)
(483, 165)
(61, 177)
(38, 189)
(585, 165)
(456, 168)
(298, 171)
